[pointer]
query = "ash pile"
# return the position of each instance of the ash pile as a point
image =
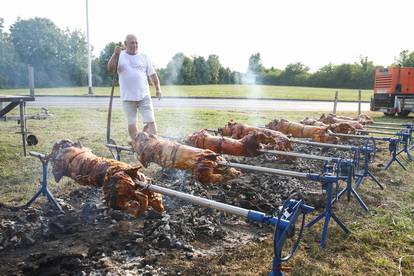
(91, 239)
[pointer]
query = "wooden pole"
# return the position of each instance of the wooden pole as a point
(335, 102)
(31, 80)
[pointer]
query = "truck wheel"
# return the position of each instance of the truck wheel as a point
(403, 113)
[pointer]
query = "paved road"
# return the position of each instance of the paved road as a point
(221, 104)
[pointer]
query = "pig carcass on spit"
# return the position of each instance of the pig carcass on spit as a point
(341, 127)
(361, 118)
(333, 119)
(203, 163)
(316, 133)
(122, 183)
(246, 146)
(271, 139)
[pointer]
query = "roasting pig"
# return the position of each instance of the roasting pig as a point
(271, 139)
(341, 127)
(316, 133)
(246, 146)
(123, 185)
(206, 165)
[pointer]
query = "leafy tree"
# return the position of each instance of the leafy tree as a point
(39, 43)
(186, 72)
(76, 62)
(12, 71)
(226, 76)
(214, 66)
(200, 70)
(59, 57)
(294, 74)
(271, 76)
(406, 59)
(104, 56)
(255, 64)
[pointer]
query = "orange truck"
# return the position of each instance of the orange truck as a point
(394, 91)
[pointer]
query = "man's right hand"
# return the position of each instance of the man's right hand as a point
(117, 50)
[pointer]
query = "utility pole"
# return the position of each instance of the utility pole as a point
(90, 92)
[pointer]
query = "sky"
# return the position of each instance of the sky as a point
(312, 32)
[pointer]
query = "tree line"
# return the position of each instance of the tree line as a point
(59, 58)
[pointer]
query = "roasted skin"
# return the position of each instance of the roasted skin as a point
(342, 127)
(271, 139)
(316, 133)
(312, 122)
(123, 185)
(203, 163)
(246, 146)
(361, 118)
(333, 119)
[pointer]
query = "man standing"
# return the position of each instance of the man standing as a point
(134, 69)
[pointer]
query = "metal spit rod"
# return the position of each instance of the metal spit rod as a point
(383, 127)
(376, 132)
(119, 147)
(297, 154)
(358, 136)
(265, 170)
(326, 145)
(198, 200)
(393, 124)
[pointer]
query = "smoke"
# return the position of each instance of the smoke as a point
(173, 70)
(254, 92)
(249, 78)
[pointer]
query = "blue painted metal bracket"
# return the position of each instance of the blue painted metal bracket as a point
(327, 183)
(285, 228)
(348, 176)
(406, 140)
(393, 148)
(368, 152)
(44, 190)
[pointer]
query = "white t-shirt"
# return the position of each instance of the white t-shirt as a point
(133, 71)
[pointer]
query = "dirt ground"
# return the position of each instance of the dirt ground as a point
(90, 239)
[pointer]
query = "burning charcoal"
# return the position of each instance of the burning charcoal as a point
(188, 248)
(178, 245)
(32, 215)
(117, 215)
(164, 241)
(27, 240)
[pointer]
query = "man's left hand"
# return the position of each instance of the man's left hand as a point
(158, 94)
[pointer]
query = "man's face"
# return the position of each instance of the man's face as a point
(131, 44)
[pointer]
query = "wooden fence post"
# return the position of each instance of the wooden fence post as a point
(31, 80)
(335, 102)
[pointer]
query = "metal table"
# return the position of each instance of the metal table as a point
(15, 101)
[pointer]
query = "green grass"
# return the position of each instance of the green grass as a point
(252, 91)
(378, 240)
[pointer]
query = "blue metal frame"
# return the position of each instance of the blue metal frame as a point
(368, 152)
(393, 148)
(284, 228)
(349, 189)
(44, 190)
(406, 140)
(327, 183)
